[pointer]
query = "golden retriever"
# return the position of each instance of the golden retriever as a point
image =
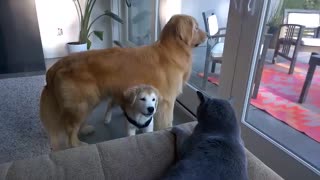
(78, 82)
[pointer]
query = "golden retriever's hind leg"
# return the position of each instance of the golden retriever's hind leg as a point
(58, 141)
(54, 143)
(72, 132)
(73, 120)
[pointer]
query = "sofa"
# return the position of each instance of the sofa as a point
(145, 156)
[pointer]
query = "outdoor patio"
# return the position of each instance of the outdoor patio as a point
(276, 129)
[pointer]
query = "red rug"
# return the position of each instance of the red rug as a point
(279, 93)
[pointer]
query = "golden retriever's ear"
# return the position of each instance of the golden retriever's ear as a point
(185, 28)
(130, 95)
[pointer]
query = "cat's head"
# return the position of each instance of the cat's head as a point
(216, 114)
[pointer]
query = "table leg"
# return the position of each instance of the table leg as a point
(307, 83)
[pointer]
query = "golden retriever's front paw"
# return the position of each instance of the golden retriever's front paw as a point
(86, 130)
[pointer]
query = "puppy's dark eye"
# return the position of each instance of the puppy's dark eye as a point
(153, 99)
(143, 99)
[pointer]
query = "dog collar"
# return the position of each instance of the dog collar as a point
(134, 122)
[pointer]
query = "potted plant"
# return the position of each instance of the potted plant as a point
(85, 25)
(275, 19)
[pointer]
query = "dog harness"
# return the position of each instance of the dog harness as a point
(134, 122)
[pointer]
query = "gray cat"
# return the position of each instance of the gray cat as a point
(214, 150)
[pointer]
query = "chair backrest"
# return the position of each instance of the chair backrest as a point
(308, 18)
(210, 22)
(291, 35)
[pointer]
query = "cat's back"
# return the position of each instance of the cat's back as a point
(213, 158)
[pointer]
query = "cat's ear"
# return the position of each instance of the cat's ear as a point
(201, 97)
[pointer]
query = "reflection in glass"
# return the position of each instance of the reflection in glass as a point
(139, 22)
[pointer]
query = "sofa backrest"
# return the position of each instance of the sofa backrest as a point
(142, 157)
(137, 157)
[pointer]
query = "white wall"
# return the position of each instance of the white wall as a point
(54, 14)
(195, 9)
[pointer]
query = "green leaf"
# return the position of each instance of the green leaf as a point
(88, 44)
(99, 34)
(113, 16)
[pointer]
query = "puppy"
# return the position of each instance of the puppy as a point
(215, 149)
(139, 104)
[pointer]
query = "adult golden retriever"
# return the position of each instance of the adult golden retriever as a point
(77, 83)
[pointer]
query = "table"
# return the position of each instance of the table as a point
(313, 63)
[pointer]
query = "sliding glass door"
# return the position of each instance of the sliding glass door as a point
(226, 66)
(243, 49)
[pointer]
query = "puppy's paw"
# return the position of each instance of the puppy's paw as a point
(87, 130)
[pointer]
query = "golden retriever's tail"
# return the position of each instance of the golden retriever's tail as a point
(48, 102)
(51, 73)
(50, 116)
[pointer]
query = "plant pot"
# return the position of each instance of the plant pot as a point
(274, 31)
(273, 41)
(74, 47)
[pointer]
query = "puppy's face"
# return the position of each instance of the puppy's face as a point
(146, 103)
(186, 29)
(142, 99)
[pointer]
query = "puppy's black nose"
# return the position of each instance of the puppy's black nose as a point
(150, 109)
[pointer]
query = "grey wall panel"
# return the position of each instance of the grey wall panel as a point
(20, 41)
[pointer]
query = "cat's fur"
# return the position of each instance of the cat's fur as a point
(214, 150)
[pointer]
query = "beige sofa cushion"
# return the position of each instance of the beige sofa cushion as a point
(138, 157)
(147, 156)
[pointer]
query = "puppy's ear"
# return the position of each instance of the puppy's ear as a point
(158, 94)
(156, 91)
(130, 95)
(185, 31)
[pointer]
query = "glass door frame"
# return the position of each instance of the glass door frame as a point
(124, 11)
(279, 159)
(244, 33)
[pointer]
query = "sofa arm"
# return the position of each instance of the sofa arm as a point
(258, 170)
